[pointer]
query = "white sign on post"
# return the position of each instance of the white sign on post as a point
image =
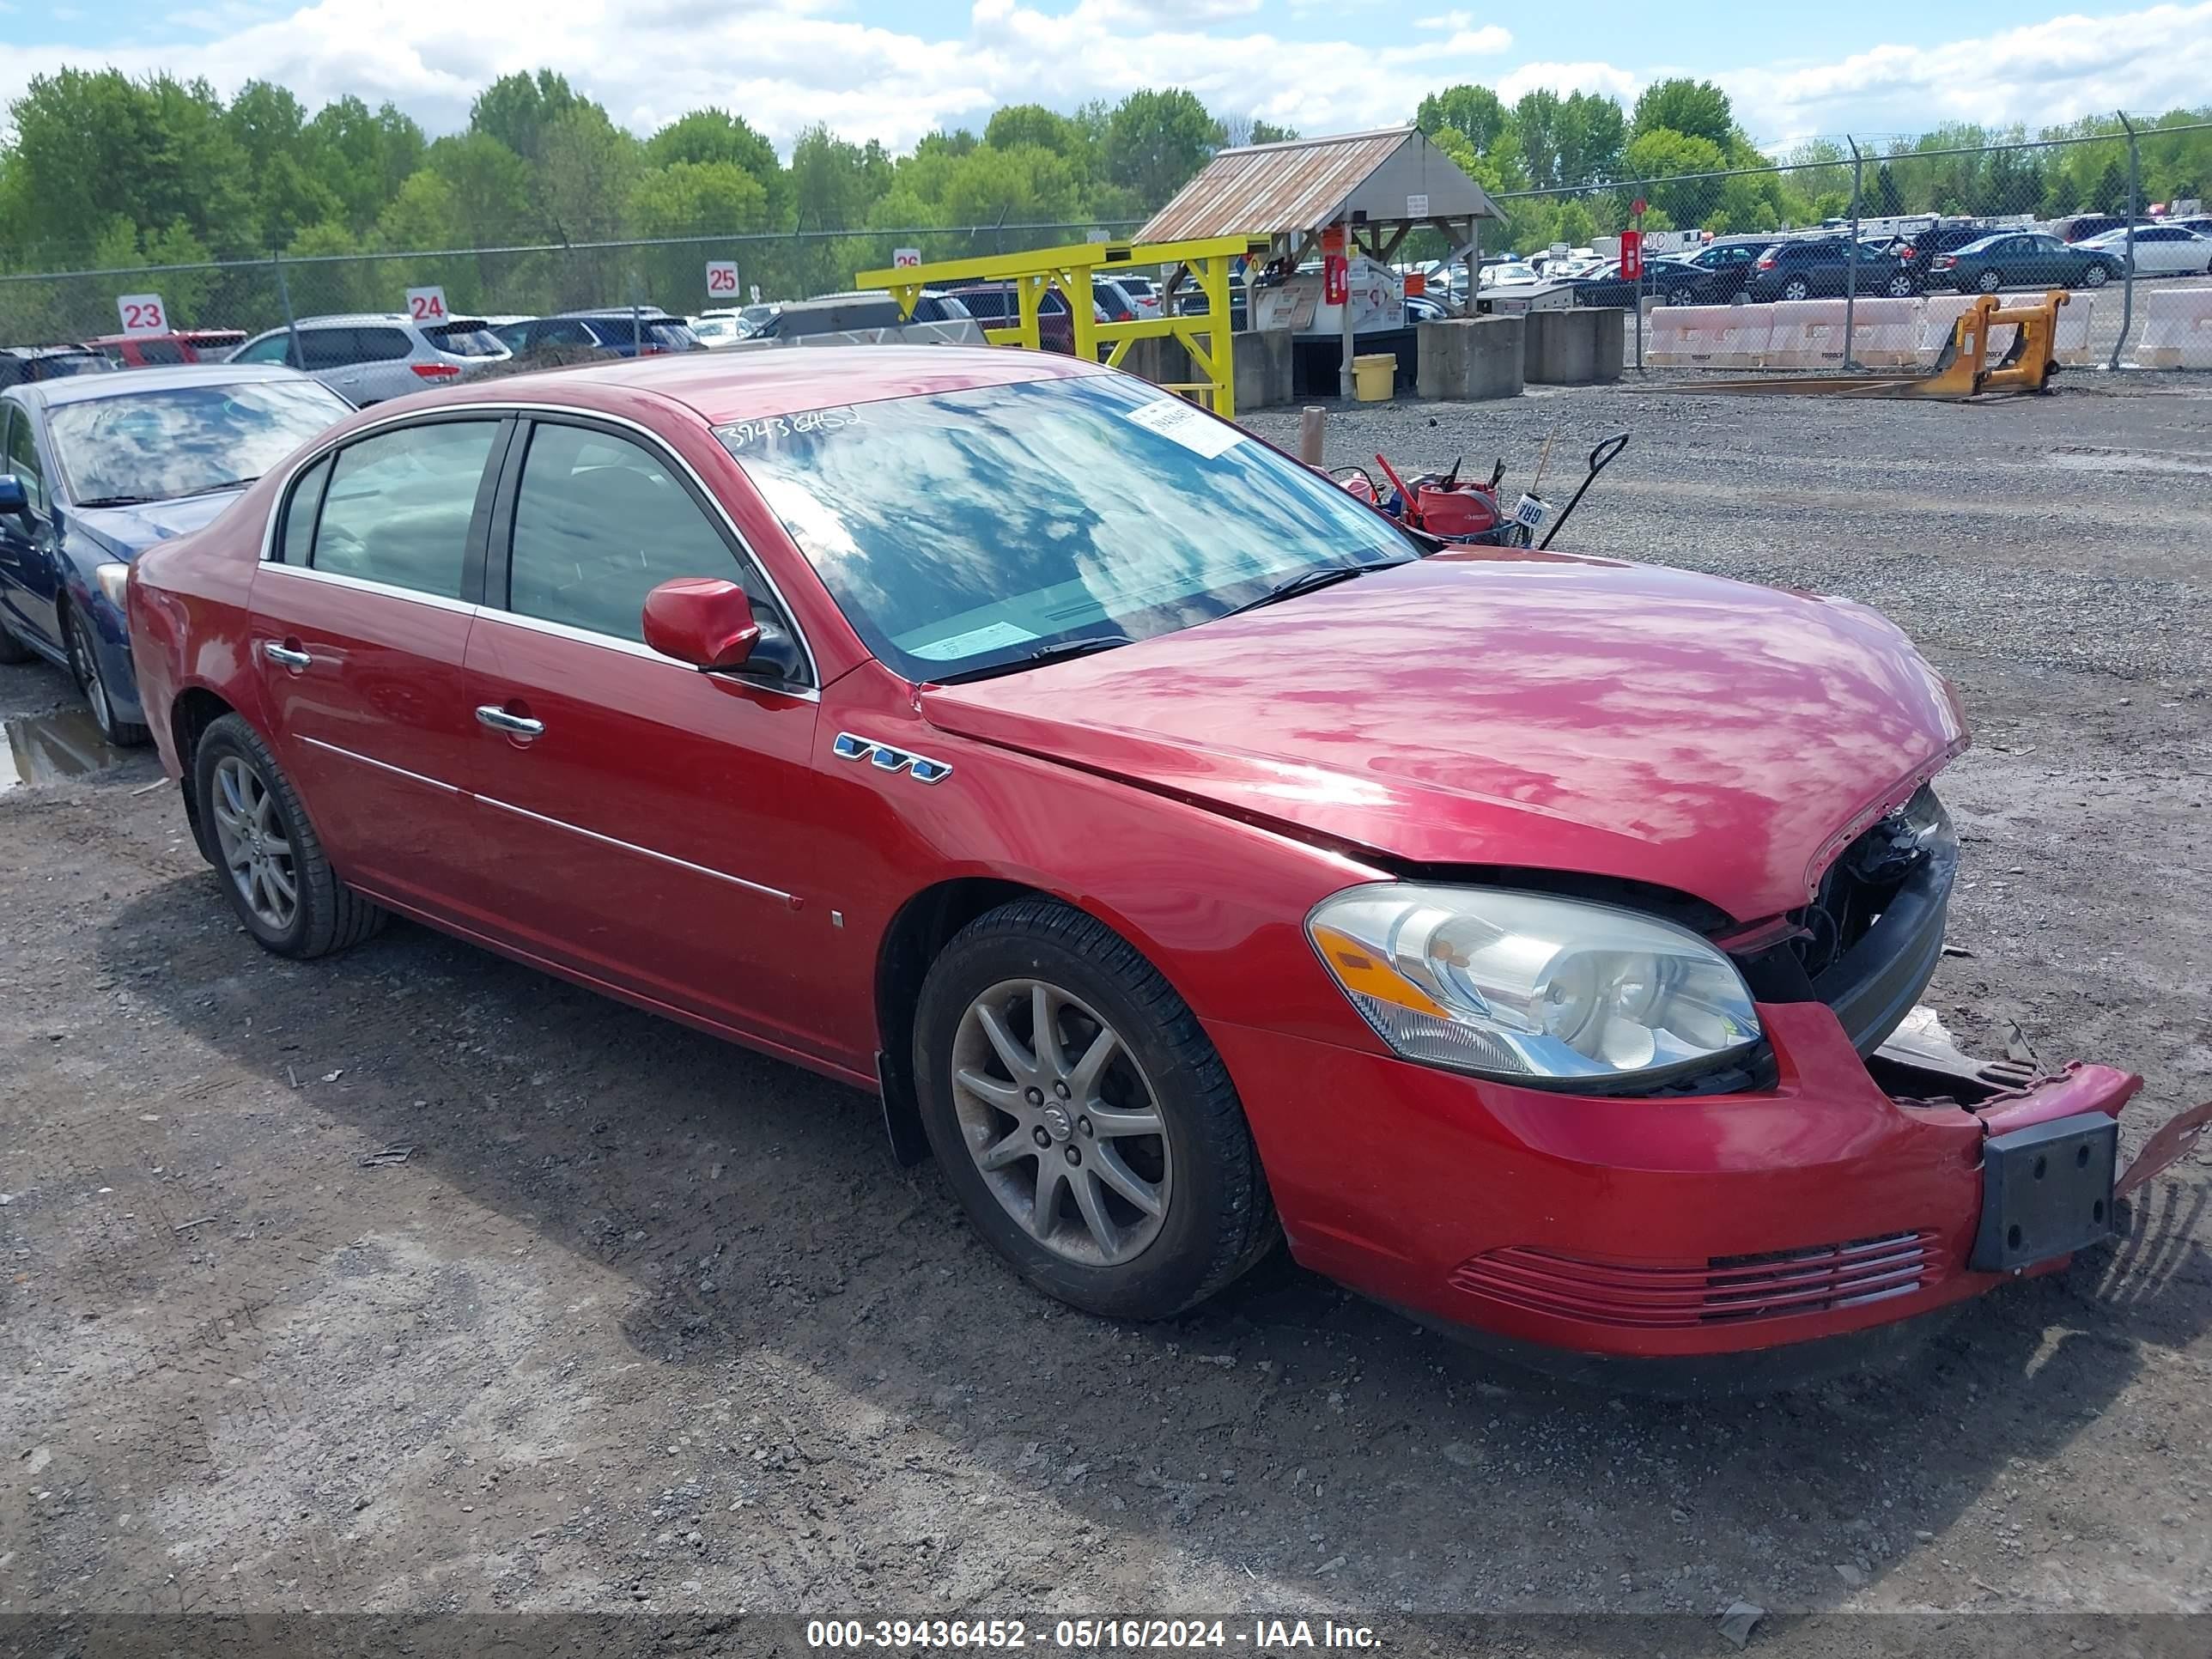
(142, 315)
(426, 304)
(722, 279)
(755, 292)
(905, 259)
(1416, 207)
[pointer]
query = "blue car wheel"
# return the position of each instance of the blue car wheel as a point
(92, 679)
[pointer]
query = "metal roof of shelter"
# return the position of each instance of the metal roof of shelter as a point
(1276, 190)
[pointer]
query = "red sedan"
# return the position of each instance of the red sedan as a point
(1189, 857)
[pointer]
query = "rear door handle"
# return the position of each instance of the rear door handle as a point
(515, 725)
(285, 656)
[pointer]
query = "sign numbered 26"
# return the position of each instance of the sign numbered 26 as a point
(142, 315)
(426, 304)
(722, 279)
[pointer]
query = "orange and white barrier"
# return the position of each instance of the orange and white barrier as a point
(1807, 334)
(2177, 328)
(1708, 337)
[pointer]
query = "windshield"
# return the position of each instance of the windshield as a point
(464, 339)
(186, 439)
(968, 529)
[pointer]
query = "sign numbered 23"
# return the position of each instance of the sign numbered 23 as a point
(426, 304)
(142, 315)
(722, 279)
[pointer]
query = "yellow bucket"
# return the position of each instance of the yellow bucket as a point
(1371, 377)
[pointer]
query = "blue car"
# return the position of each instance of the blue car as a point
(95, 470)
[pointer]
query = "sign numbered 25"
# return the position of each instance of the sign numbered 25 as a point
(722, 279)
(427, 305)
(142, 315)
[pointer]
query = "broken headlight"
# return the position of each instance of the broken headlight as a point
(1532, 988)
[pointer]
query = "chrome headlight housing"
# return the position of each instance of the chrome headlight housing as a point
(114, 580)
(1531, 988)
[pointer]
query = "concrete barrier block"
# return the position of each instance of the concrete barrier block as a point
(1262, 359)
(1561, 347)
(1468, 359)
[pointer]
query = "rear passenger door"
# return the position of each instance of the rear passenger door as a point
(647, 825)
(361, 622)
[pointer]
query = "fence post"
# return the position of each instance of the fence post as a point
(1851, 263)
(2127, 270)
(284, 299)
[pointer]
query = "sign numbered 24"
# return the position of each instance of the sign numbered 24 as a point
(142, 315)
(427, 305)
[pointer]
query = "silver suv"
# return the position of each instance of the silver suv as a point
(367, 356)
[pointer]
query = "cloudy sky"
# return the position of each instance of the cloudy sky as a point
(894, 69)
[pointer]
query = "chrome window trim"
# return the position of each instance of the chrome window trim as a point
(362, 584)
(502, 410)
(632, 846)
(384, 766)
(632, 648)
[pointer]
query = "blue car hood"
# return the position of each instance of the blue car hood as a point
(129, 531)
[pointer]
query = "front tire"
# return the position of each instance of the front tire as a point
(265, 850)
(1900, 287)
(2095, 276)
(92, 685)
(1084, 1118)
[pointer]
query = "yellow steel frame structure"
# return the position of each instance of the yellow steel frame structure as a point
(1206, 339)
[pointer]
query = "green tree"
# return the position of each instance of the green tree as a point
(714, 135)
(1661, 155)
(1474, 112)
(1590, 134)
(1697, 109)
(362, 156)
(517, 110)
(1888, 202)
(1156, 139)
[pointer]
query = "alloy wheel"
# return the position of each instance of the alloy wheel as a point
(1062, 1122)
(256, 851)
(84, 668)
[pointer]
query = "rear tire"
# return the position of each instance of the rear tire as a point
(266, 853)
(1005, 1115)
(13, 650)
(1989, 281)
(1796, 288)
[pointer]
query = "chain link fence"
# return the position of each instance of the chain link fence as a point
(61, 307)
(1861, 254)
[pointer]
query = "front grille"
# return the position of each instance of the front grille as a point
(1672, 1296)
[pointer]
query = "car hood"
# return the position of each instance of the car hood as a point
(131, 529)
(1492, 707)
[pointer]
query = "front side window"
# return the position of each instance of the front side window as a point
(184, 440)
(23, 459)
(967, 530)
(599, 523)
(398, 505)
(271, 348)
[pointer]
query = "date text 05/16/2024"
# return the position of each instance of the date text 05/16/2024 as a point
(1259, 1636)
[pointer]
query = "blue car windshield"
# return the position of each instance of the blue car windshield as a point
(965, 530)
(155, 445)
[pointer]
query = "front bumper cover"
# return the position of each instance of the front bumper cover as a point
(1846, 1197)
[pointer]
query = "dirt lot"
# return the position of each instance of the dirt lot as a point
(643, 1322)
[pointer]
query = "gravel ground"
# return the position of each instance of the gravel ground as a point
(644, 1323)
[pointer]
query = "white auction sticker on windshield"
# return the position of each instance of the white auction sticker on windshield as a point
(1187, 424)
(989, 637)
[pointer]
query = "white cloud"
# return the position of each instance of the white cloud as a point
(787, 63)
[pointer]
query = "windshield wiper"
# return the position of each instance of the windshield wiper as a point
(1058, 651)
(215, 489)
(113, 501)
(1308, 582)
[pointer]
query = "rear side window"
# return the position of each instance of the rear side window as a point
(297, 547)
(327, 348)
(383, 345)
(398, 505)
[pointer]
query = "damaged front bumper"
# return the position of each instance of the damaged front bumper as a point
(1850, 1196)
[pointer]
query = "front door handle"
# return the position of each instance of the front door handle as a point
(515, 725)
(285, 656)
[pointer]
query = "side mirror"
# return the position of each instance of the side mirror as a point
(701, 620)
(14, 498)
